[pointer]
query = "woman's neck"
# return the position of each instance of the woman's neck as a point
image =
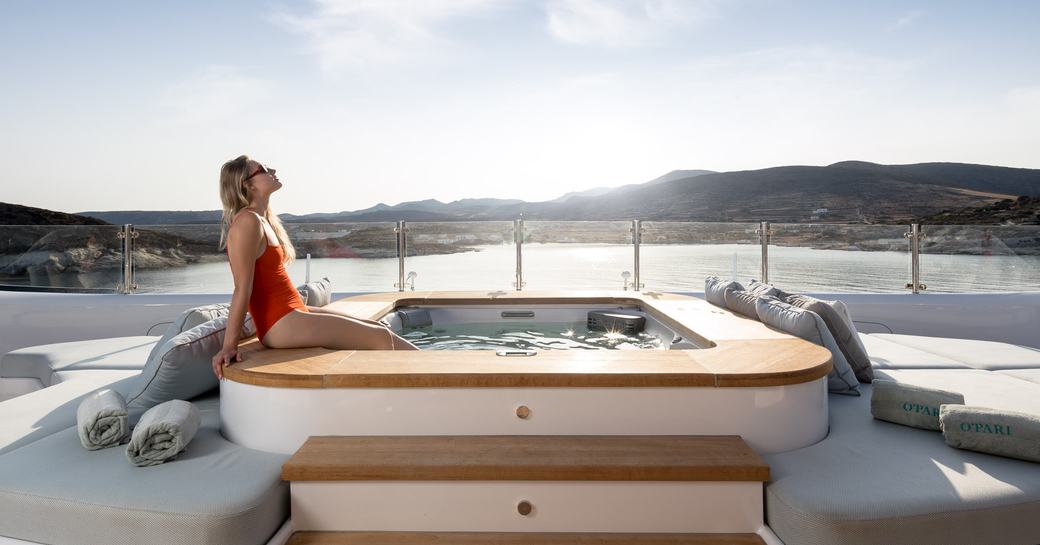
(259, 205)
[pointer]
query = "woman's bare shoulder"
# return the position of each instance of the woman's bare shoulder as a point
(245, 227)
(250, 217)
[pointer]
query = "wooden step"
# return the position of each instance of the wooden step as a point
(526, 458)
(517, 538)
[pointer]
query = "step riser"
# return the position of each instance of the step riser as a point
(558, 506)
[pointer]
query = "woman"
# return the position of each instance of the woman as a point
(258, 249)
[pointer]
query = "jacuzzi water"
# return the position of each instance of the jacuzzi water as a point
(526, 336)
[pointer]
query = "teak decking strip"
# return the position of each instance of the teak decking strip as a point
(526, 458)
(745, 353)
(517, 538)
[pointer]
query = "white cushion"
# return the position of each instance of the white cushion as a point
(978, 386)
(974, 353)
(886, 354)
(40, 362)
(29, 417)
(112, 375)
(872, 482)
(214, 493)
(1032, 375)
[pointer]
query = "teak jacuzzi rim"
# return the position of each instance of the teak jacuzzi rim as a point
(751, 355)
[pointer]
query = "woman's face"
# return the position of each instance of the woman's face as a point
(262, 180)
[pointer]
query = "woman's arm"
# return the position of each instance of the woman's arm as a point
(243, 239)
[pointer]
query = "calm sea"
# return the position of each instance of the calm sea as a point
(663, 268)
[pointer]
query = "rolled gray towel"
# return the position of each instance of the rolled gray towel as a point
(101, 420)
(993, 431)
(163, 432)
(910, 405)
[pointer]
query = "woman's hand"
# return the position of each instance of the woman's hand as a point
(227, 355)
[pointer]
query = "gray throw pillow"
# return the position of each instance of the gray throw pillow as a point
(742, 302)
(183, 368)
(317, 293)
(758, 289)
(715, 290)
(189, 319)
(808, 325)
(835, 315)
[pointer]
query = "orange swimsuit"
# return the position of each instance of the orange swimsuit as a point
(273, 293)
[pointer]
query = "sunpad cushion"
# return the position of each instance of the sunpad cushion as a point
(979, 387)
(215, 493)
(101, 374)
(885, 354)
(1032, 375)
(908, 487)
(42, 361)
(35, 415)
(974, 353)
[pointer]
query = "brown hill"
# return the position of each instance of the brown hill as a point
(16, 214)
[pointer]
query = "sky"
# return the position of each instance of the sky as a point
(135, 105)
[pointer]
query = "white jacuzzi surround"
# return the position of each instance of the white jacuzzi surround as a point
(770, 418)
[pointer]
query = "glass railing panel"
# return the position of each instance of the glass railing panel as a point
(677, 256)
(839, 258)
(980, 258)
(187, 258)
(576, 254)
(359, 256)
(180, 259)
(75, 257)
(460, 255)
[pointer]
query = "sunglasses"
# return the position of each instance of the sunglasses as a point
(262, 170)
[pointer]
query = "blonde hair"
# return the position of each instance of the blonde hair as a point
(234, 197)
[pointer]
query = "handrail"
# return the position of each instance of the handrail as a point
(128, 236)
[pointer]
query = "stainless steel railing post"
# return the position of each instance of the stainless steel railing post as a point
(129, 281)
(637, 232)
(518, 237)
(402, 249)
(915, 235)
(763, 238)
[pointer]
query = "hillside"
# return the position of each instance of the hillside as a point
(16, 214)
(1021, 211)
(850, 191)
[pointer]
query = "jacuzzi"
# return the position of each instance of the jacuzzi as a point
(522, 330)
(733, 376)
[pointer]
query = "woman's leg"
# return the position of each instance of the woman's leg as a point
(399, 342)
(299, 329)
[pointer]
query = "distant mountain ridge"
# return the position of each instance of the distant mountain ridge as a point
(847, 191)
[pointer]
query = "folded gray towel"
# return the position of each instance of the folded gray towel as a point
(163, 432)
(101, 420)
(910, 405)
(1004, 433)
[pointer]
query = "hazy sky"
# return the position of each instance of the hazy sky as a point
(109, 105)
